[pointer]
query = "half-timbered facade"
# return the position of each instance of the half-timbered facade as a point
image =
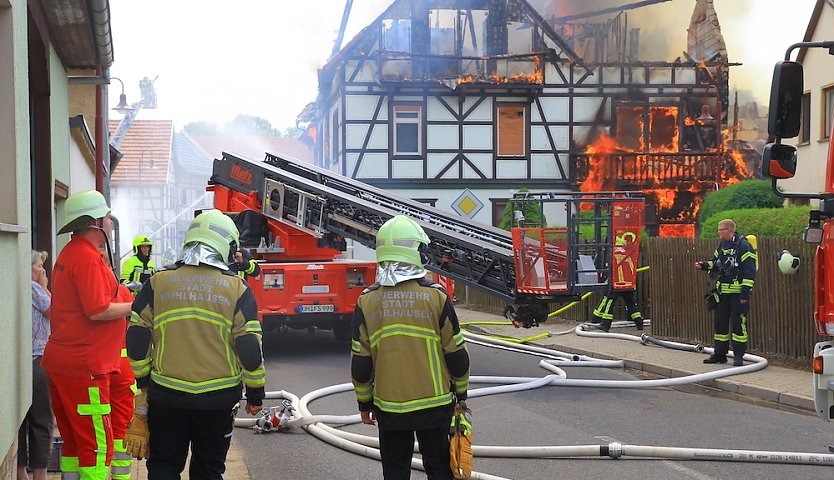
(461, 103)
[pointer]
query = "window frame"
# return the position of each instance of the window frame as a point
(525, 149)
(827, 110)
(396, 121)
(805, 122)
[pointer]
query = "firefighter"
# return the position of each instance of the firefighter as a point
(135, 271)
(733, 266)
(409, 361)
(189, 389)
(88, 313)
(138, 267)
(604, 316)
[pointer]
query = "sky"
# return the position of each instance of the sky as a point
(216, 59)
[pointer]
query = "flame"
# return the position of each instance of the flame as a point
(536, 77)
(689, 122)
(599, 163)
(665, 197)
(677, 230)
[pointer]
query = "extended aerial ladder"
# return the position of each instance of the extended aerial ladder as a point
(595, 246)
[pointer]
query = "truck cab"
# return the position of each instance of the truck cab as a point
(779, 161)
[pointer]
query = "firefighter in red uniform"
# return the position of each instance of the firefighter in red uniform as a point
(88, 328)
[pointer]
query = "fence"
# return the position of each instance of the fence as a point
(671, 294)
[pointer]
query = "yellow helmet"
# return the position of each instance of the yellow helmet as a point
(82, 209)
(399, 240)
(142, 240)
(214, 229)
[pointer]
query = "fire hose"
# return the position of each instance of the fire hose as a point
(294, 412)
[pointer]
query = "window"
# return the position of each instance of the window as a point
(511, 126)
(498, 206)
(408, 138)
(828, 105)
(805, 123)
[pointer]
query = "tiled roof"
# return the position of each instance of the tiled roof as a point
(146, 152)
(254, 146)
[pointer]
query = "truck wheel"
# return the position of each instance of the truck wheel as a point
(342, 333)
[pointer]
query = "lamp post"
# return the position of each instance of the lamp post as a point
(122, 107)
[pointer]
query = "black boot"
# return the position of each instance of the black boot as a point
(605, 325)
(739, 349)
(638, 322)
(720, 353)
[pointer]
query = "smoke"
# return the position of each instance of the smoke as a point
(756, 33)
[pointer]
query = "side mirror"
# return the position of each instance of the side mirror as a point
(812, 234)
(779, 161)
(786, 89)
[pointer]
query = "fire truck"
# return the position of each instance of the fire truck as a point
(779, 161)
(295, 219)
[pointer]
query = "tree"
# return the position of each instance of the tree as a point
(532, 214)
(252, 125)
(201, 128)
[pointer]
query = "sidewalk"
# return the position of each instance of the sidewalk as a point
(783, 386)
(235, 467)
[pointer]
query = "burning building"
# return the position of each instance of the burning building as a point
(460, 103)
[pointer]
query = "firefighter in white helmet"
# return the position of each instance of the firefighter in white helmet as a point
(88, 313)
(409, 361)
(194, 342)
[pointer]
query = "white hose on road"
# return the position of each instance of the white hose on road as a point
(368, 446)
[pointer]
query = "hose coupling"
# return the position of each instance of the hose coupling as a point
(615, 450)
(275, 418)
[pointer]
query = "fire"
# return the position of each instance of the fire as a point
(677, 230)
(665, 197)
(689, 122)
(536, 77)
(735, 159)
(599, 164)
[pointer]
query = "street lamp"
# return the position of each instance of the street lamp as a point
(122, 107)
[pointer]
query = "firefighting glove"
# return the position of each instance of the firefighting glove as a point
(138, 435)
(460, 442)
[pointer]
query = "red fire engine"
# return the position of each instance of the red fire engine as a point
(778, 162)
(295, 218)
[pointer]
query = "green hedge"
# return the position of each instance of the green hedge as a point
(743, 195)
(762, 222)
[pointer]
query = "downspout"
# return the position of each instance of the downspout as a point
(103, 38)
(102, 147)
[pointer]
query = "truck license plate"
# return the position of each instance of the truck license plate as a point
(316, 308)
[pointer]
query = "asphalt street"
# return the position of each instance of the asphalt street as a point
(692, 417)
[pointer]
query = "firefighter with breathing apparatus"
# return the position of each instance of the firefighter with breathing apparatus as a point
(194, 342)
(409, 363)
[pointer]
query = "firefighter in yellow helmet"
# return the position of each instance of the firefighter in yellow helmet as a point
(190, 387)
(409, 362)
(139, 267)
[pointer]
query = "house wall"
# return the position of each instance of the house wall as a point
(818, 66)
(15, 238)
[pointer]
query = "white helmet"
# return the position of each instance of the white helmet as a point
(788, 264)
